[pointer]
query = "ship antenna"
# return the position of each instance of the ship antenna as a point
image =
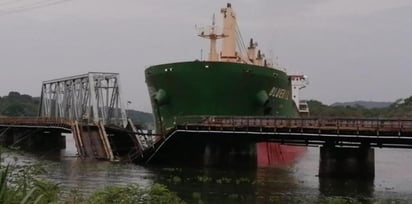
(272, 58)
(201, 54)
(213, 22)
(212, 35)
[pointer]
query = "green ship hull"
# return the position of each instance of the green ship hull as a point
(180, 90)
(188, 91)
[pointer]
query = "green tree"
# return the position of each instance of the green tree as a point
(401, 108)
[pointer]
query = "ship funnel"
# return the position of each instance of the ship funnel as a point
(229, 5)
(251, 51)
(259, 58)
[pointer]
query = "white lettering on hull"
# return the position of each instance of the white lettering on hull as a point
(279, 93)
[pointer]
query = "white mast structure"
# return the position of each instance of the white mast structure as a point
(231, 42)
(211, 34)
(229, 53)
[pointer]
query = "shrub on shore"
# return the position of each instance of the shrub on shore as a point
(21, 185)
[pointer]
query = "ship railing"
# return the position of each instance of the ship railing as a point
(313, 123)
(190, 119)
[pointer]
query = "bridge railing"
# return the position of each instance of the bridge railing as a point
(308, 123)
(35, 121)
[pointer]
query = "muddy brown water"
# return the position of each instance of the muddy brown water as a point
(294, 183)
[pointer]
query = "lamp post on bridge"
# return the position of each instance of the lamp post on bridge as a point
(127, 105)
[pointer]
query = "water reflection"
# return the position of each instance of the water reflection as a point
(87, 176)
(362, 188)
(217, 185)
(295, 183)
(212, 185)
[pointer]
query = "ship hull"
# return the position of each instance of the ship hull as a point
(189, 91)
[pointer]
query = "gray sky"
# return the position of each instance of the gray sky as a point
(350, 49)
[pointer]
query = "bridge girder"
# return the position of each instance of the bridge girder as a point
(91, 97)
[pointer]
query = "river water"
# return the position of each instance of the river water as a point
(294, 183)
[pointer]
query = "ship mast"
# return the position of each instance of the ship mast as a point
(229, 53)
(212, 36)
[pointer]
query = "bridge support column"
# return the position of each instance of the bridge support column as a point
(347, 162)
(19, 139)
(45, 141)
(62, 141)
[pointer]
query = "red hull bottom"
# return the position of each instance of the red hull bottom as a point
(274, 154)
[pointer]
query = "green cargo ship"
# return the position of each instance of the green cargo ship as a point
(231, 83)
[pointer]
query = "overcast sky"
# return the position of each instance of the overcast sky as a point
(349, 49)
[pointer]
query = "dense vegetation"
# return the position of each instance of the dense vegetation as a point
(16, 104)
(401, 108)
(145, 120)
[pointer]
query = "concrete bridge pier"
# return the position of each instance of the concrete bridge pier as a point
(46, 140)
(17, 138)
(342, 162)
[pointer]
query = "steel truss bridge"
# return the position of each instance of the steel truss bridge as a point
(90, 97)
(91, 108)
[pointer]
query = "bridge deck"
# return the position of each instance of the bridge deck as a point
(306, 131)
(94, 140)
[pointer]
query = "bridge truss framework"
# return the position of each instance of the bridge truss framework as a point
(91, 97)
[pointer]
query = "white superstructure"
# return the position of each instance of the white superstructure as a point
(299, 82)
